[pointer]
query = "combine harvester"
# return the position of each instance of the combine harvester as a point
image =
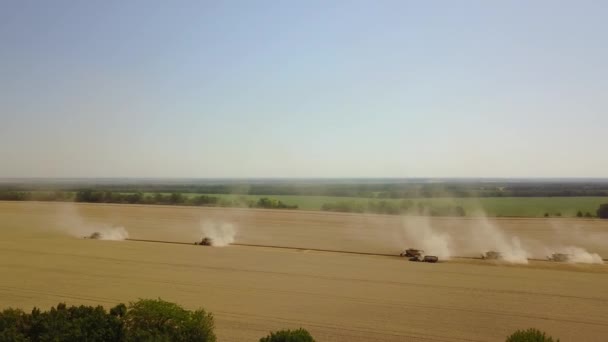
(94, 236)
(411, 252)
(426, 258)
(492, 255)
(417, 256)
(205, 241)
(559, 257)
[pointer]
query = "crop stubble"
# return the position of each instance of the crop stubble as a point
(338, 297)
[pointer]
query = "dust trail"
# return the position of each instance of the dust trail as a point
(478, 237)
(116, 233)
(420, 234)
(222, 233)
(484, 236)
(570, 237)
(581, 256)
(69, 221)
(575, 255)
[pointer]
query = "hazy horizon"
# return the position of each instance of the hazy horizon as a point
(261, 89)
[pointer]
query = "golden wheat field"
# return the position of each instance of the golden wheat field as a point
(336, 296)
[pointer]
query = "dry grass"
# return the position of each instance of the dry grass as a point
(338, 297)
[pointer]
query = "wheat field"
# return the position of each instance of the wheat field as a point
(336, 296)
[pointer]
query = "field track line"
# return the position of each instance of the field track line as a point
(308, 249)
(271, 246)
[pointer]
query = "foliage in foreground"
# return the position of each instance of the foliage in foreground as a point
(530, 335)
(299, 335)
(147, 320)
(144, 320)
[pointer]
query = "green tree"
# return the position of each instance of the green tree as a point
(299, 335)
(459, 211)
(134, 198)
(272, 203)
(119, 310)
(579, 214)
(530, 335)
(158, 320)
(205, 200)
(602, 211)
(75, 323)
(405, 205)
(176, 198)
(12, 323)
(158, 198)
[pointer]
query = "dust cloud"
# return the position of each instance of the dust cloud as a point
(480, 235)
(116, 233)
(69, 221)
(570, 236)
(483, 236)
(222, 233)
(581, 256)
(419, 232)
(478, 238)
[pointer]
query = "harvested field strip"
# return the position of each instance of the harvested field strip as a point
(308, 249)
(272, 246)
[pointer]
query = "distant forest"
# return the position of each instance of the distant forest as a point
(380, 188)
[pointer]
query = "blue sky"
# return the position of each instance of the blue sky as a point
(303, 88)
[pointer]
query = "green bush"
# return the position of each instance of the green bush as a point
(602, 211)
(12, 325)
(75, 323)
(299, 335)
(158, 320)
(530, 335)
(144, 320)
(271, 203)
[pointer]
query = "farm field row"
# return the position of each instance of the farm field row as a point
(338, 297)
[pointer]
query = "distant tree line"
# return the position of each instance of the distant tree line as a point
(578, 214)
(176, 198)
(380, 189)
(393, 208)
(92, 196)
(377, 206)
(601, 212)
(35, 196)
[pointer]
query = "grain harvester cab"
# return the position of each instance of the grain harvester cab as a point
(411, 252)
(94, 236)
(205, 242)
(492, 255)
(559, 257)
